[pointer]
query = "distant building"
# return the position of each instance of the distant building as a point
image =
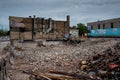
(111, 23)
(106, 28)
(28, 28)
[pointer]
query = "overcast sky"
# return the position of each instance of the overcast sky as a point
(83, 11)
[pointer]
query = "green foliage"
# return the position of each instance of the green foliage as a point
(82, 28)
(3, 33)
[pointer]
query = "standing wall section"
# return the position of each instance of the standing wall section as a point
(20, 28)
(37, 28)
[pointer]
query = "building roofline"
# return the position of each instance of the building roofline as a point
(36, 18)
(103, 20)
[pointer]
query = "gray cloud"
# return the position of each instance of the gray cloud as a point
(80, 10)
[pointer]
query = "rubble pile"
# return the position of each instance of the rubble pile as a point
(104, 66)
(65, 59)
(4, 61)
(4, 38)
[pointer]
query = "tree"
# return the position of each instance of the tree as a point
(82, 28)
(3, 33)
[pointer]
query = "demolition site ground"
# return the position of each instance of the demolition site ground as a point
(92, 59)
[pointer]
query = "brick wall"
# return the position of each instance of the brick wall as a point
(37, 28)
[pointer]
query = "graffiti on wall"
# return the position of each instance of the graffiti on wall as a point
(105, 32)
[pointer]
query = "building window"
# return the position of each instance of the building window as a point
(103, 26)
(98, 26)
(112, 25)
(91, 27)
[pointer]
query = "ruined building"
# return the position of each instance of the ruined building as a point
(32, 28)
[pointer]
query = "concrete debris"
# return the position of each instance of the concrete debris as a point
(94, 59)
(105, 66)
(4, 38)
(40, 43)
(18, 49)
